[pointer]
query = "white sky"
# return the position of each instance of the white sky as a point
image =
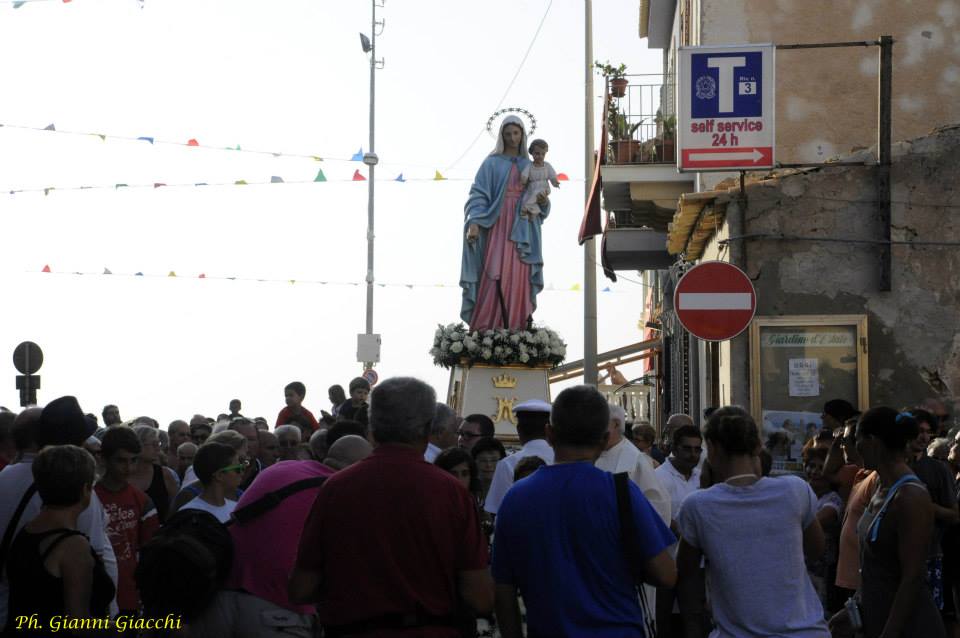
(288, 76)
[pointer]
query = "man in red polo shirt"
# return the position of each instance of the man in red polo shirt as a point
(397, 540)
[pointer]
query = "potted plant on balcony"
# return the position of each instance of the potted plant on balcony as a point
(625, 147)
(666, 144)
(615, 77)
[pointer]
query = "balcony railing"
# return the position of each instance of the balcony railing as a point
(641, 123)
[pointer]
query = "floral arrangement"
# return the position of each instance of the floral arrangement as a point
(455, 344)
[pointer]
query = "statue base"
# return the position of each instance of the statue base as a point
(495, 390)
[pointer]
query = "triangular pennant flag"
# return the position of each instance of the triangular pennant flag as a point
(320, 176)
(240, 182)
(19, 3)
(172, 274)
(46, 191)
(192, 142)
(276, 179)
(158, 184)
(575, 287)
(358, 156)
(202, 276)
(400, 178)
(293, 281)
(103, 138)
(115, 186)
(138, 274)
(237, 148)
(146, 139)
(106, 271)
(316, 158)
(277, 154)
(438, 177)
(46, 269)
(357, 177)
(562, 177)
(607, 289)
(49, 127)
(201, 184)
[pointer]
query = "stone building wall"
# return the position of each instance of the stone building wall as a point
(914, 330)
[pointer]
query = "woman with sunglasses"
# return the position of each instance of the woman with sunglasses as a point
(220, 470)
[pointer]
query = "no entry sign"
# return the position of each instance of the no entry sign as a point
(715, 301)
(725, 108)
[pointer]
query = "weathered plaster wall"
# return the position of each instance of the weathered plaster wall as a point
(914, 330)
(827, 98)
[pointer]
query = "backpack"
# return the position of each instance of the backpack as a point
(184, 565)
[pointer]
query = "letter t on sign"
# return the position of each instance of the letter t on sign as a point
(726, 65)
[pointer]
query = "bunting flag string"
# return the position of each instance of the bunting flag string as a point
(193, 143)
(172, 274)
(275, 179)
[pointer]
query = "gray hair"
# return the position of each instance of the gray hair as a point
(444, 418)
(186, 445)
(619, 415)
(285, 429)
(147, 434)
(318, 444)
(402, 410)
(347, 450)
(228, 437)
(937, 443)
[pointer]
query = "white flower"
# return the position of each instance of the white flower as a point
(546, 352)
(488, 333)
(456, 336)
(486, 354)
(514, 338)
(469, 343)
(487, 341)
(561, 350)
(438, 334)
(507, 351)
(524, 357)
(498, 350)
(456, 347)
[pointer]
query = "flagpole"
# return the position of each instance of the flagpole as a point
(589, 246)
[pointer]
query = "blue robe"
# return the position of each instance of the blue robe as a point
(483, 208)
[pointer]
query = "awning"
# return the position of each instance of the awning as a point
(698, 217)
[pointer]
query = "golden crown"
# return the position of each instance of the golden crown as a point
(504, 381)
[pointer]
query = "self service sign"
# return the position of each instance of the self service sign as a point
(726, 113)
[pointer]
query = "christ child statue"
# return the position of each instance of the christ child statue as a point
(536, 179)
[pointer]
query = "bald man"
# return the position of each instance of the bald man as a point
(346, 451)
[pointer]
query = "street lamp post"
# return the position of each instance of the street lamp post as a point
(368, 343)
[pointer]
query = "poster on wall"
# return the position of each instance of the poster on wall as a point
(784, 434)
(804, 378)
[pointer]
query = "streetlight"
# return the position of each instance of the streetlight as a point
(368, 343)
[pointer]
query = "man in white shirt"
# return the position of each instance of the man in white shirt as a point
(680, 475)
(532, 418)
(623, 456)
(443, 432)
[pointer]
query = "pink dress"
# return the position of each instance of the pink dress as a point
(501, 262)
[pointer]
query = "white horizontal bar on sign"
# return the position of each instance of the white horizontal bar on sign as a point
(716, 301)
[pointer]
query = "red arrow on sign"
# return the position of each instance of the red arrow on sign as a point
(715, 301)
(753, 157)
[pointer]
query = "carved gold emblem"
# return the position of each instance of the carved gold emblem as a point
(504, 410)
(504, 381)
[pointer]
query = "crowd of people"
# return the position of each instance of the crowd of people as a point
(392, 515)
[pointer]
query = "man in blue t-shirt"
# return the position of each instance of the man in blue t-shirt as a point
(558, 537)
